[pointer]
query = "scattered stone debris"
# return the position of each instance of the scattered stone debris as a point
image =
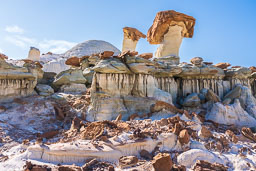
(204, 165)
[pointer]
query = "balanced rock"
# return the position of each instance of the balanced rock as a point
(168, 29)
(131, 37)
(68, 77)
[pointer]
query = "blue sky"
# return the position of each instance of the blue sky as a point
(225, 30)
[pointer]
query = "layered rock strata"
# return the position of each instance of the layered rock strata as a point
(15, 81)
(131, 84)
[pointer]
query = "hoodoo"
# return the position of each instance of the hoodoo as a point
(131, 38)
(168, 30)
(97, 108)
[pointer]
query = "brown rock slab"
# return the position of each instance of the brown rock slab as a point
(162, 162)
(162, 22)
(73, 61)
(106, 54)
(133, 33)
(49, 134)
(128, 53)
(222, 65)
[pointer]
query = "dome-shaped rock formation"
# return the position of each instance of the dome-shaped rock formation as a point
(90, 47)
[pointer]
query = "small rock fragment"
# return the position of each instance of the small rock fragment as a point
(128, 161)
(184, 137)
(162, 162)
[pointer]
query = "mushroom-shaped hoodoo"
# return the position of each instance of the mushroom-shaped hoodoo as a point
(168, 30)
(131, 38)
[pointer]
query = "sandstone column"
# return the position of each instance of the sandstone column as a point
(34, 54)
(168, 30)
(131, 38)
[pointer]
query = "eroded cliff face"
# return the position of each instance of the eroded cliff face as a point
(131, 85)
(15, 81)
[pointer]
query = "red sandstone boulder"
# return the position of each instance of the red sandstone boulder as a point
(106, 54)
(73, 61)
(162, 162)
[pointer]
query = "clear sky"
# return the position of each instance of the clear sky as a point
(225, 30)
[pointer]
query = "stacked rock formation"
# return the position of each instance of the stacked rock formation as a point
(131, 38)
(168, 30)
